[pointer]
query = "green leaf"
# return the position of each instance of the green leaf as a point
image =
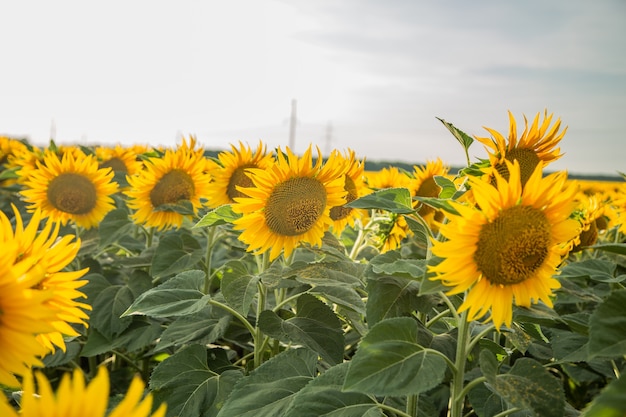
(607, 327)
(189, 387)
(448, 189)
(610, 402)
(177, 251)
(488, 365)
(394, 200)
(390, 362)
(421, 231)
(203, 327)
(108, 308)
(177, 296)
(270, 389)
(59, 357)
(392, 263)
(343, 296)
(346, 274)
(531, 387)
(619, 248)
(315, 326)
(184, 207)
(438, 203)
(323, 397)
(238, 286)
(221, 215)
(115, 225)
(596, 269)
(464, 139)
(137, 336)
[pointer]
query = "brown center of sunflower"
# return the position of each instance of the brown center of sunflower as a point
(239, 178)
(174, 186)
(527, 159)
(428, 188)
(116, 164)
(341, 212)
(512, 247)
(72, 193)
(295, 205)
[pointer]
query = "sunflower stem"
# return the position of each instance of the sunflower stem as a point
(412, 402)
(207, 263)
(457, 395)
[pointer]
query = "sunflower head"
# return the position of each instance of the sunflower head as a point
(507, 247)
(179, 176)
(355, 187)
(423, 185)
(118, 158)
(537, 145)
(231, 173)
(290, 202)
(70, 189)
(390, 177)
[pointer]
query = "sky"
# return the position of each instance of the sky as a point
(367, 75)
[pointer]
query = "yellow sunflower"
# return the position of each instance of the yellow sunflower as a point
(536, 145)
(52, 255)
(70, 189)
(424, 185)
(119, 158)
(508, 249)
(231, 174)
(390, 177)
(24, 314)
(178, 176)
(74, 398)
(355, 187)
(390, 230)
(591, 215)
(290, 202)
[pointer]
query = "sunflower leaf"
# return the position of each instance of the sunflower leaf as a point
(202, 327)
(464, 139)
(607, 327)
(238, 286)
(177, 251)
(390, 361)
(438, 203)
(610, 402)
(394, 200)
(221, 215)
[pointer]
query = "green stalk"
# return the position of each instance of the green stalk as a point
(457, 395)
(207, 263)
(259, 337)
(412, 402)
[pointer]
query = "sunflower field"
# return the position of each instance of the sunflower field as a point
(139, 281)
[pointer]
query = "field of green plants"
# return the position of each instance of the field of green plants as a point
(140, 281)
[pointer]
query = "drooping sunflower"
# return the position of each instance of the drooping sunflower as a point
(180, 175)
(290, 202)
(52, 255)
(390, 230)
(424, 185)
(74, 398)
(230, 173)
(506, 249)
(537, 145)
(355, 187)
(70, 189)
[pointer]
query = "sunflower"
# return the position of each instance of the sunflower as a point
(591, 215)
(118, 158)
(355, 187)
(389, 231)
(537, 145)
(230, 173)
(51, 255)
(289, 202)
(508, 249)
(178, 176)
(424, 185)
(390, 177)
(74, 398)
(70, 189)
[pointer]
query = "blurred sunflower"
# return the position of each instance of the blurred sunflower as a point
(74, 398)
(51, 254)
(355, 187)
(590, 213)
(537, 145)
(423, 185)
(179, 176)
(231, 173)
(390, 177)
(119, 158)
(290, 202)
(70, 189)
(390, 230)
(508, 249)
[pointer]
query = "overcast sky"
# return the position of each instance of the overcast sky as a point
(367, 75)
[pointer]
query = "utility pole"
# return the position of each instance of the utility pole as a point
(292, 124)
